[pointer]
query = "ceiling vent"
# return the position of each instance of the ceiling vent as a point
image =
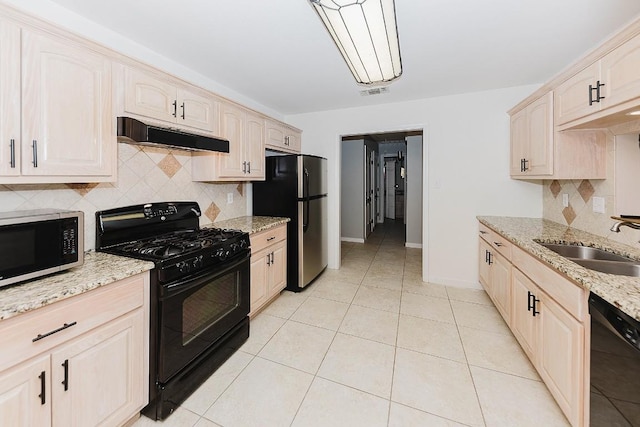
(374, 91)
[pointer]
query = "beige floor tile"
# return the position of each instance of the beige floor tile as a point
(508, 401)
(298, 346)
(347, 274)
(477, 296)
(359, 363)
(426, 307)
(330, 404)
(335, 290)
(403, 416)
(478, 316)
(371, 324)
(207, 393)
(430, 337)
(203, 422)
(417, 286)
(321, 312)
(496, 351)
(378, 298)
(180, 418)
(261, 329)
(286, 304)
(387, 268)
(264, 394)
(435, 385)
(384, 282)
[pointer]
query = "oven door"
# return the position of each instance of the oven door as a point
(194, 312)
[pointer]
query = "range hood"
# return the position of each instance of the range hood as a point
(134, 131)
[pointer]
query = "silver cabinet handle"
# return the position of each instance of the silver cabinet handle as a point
(34, 144)
(248, 167)
(182, 106)
(12, 160)
(175, 108)
(286, 140)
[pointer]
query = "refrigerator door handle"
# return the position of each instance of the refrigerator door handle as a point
(305, 195)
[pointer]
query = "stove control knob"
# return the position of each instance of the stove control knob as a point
(197, 262)
(243, 244)
(184, 267)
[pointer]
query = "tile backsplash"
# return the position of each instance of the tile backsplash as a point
(579, 214)
(145, 174)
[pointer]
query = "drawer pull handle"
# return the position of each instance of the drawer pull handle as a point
(483, 232)
(271, 238)
(43, 384)
(62, 328)
(65, 381)
(498, 244)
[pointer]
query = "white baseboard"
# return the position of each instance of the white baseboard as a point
(351, 239)
(413, 245)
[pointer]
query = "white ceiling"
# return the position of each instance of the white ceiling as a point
(279, 54)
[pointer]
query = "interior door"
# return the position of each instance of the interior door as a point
(390, 188)
(367, 191)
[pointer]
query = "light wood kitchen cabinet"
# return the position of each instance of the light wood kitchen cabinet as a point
(245, 161)
(60, 92)
(162, 99)
(268, 266)
(573, 96)
(281, 137)
(495, 269)
(68, 364)
(523, 323)
(532, 136)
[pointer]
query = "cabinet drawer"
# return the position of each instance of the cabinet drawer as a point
(569, 295)
(484, 231)
(265, 238)
(88, 311)
(501, 244)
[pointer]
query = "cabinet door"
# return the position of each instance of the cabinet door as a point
(21, 402)
(501, 286)
(561, 357)
(274, 135)
(278, 268)
(519, 141)
(523, 323)
(258, 280)
(620, 74)
(540, 136)
(233, 163)
(9, 99)
(67, 120)
(99, 378)
(197, 111)
(572, 96)
(149, 96)
(484, 268)
(293, 140)
(254, 146)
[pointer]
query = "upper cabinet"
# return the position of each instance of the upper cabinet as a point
(281, 137)
(245, 161)
(578, 96)
(532, 138)
(57, 123)
(162, 99)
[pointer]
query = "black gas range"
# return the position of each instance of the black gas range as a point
(199, 292)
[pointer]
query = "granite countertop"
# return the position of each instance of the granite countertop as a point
(99, 269)
(621, 291)
(251, 224)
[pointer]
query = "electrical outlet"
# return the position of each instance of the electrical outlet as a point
(229, 198)
(598, 205)
(565, 200)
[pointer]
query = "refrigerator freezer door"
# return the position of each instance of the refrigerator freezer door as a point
(312, 176)
(312, 232)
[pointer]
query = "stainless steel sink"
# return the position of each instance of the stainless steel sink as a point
(597, 259)
(628, 268)
(584, 252)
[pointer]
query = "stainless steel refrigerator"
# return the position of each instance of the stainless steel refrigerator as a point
(296, 187)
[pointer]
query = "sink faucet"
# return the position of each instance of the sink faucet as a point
(616, 226)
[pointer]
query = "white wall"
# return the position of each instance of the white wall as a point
(413, 195)
(466, 154)
(352, 191)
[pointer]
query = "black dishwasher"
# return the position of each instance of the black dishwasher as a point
(615, 366)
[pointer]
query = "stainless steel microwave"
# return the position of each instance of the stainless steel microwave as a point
(39, 242)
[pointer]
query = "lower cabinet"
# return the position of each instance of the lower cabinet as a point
(74, 377)
(547, 314)
(268, 266)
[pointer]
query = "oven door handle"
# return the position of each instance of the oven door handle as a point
(187, 283)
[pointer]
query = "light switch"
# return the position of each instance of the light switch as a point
(229, 198)
(565, 200)
(598, 205)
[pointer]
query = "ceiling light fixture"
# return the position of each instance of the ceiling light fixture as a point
(366, 34)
